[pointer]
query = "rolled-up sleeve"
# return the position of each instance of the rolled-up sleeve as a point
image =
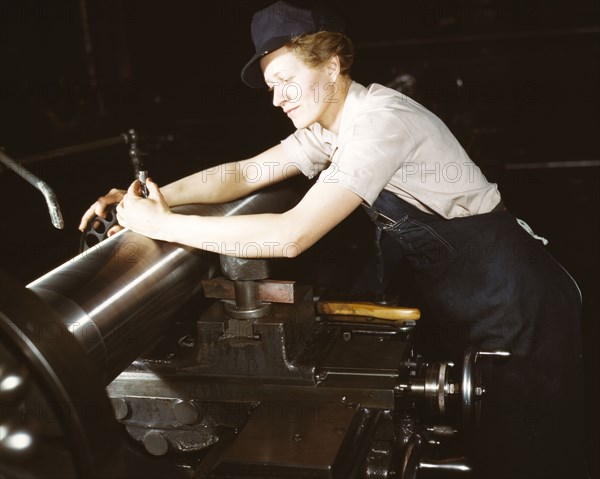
(308, 149)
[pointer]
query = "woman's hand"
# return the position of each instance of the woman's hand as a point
(143, 215)
(100, 207)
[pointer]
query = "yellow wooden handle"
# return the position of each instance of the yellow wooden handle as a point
(373, 310)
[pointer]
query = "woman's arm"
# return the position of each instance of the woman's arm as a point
(214, 185)
(264, 235)
(231, 181)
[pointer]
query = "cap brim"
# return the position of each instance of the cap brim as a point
(252, 74)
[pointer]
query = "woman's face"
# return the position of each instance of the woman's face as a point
(307, 95)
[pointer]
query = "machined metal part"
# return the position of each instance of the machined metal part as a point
(246, 304)
(247, 269)
(97, 229)
(292, 439)
(437, 386)
(59, 400)
(471, 387)
(244, 272)
(254, 312)
(117, 297)
(142, 178)
(213, 394)
(415, 460)
(270, 291)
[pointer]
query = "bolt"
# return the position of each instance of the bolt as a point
(185, 412)
(121, 408)
(479, 391)
(297, 437)
(156, 443)
(346, 336)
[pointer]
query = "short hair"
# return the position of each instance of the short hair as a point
(316, 49)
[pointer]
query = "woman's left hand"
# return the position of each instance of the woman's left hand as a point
(143, 215)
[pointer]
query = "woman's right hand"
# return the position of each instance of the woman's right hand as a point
(99, 208)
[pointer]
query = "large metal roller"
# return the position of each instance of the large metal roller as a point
(116, 297)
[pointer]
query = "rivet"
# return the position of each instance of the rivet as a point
(185, 412)
(121, 408)
(156, 443)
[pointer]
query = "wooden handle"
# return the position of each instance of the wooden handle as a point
(373, 310)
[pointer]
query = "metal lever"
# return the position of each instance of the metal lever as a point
(456, 464)
(51, 200)
(413, 460)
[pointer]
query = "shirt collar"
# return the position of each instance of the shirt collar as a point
(350, 109)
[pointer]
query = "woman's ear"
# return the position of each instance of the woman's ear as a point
(333, 67)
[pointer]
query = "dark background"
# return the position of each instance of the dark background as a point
(516, 81)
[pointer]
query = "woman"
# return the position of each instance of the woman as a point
(489, 282)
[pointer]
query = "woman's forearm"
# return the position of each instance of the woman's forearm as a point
(262, 235)
(214, 185)
(250, 236)
(231, 181)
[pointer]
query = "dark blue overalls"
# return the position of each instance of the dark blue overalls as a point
(490, 284)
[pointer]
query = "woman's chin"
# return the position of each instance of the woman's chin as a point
(299, 124)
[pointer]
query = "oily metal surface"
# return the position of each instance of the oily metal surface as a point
(118, 296)
(66, 417)
(305, 434)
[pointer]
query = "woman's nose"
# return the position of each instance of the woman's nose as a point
(278, 98)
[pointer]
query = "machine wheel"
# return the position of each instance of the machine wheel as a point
(55, 420)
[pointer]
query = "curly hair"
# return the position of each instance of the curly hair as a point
(316, 49)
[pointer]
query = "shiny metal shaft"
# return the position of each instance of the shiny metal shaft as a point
(53, 207)
(118, 297)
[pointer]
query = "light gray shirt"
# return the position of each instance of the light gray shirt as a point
(388, 141)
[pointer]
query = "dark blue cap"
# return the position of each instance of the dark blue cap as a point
(274, 26)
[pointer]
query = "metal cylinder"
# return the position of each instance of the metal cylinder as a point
(119, 296)
(246, 293)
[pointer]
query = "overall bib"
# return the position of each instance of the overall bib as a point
(489, 283)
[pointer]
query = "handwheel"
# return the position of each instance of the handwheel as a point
(97, 229)
(471, 388)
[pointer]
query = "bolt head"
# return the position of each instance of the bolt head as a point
(121, 408)
(185, 412)
(156, 443)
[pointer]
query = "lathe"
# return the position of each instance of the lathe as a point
(140, 358)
